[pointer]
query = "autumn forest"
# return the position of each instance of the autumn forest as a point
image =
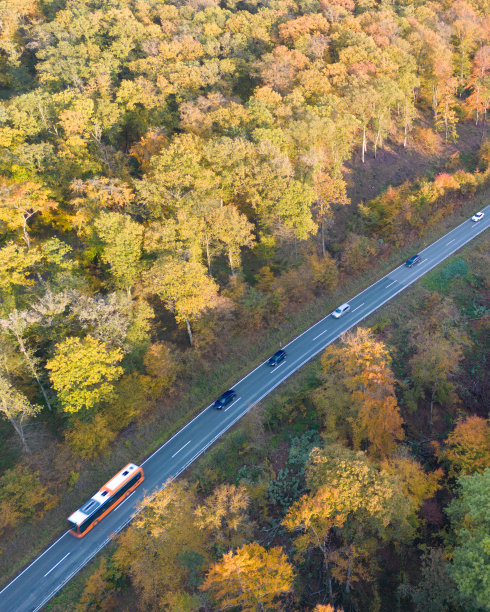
(185, 185)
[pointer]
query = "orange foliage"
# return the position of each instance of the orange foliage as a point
(98, 593)
(467, 447)
(303, 26)
(349, 5)
(149, 145)
(444, 182)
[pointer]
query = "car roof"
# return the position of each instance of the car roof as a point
(342, 306)
(279, 352)
(413, 257)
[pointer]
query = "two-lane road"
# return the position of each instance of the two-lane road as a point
(49, 572)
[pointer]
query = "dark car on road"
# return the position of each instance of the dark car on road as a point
(225, 398)
(276, 358)
(415, 259)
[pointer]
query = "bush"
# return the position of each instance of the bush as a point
(439, 281)
(359, 253)
(324, 270)
(22, 497)
(90, 440)
(426, 141)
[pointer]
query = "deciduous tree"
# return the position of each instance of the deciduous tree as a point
(470, 519)
(161, 537)
(360, 384)
(467, 448)
(184, 286)
(84, 372)
(251, 577)
(15, 406)
(23, 497)
(19, 203)
(224, 515)
(123, 240)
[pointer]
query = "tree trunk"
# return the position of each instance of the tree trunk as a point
(323, 237)
(27, 240)
(434, 390)
(230, 259)
(189, 331)
(32, 367)
(208, 255)
(20, 431)
(349, 573)
(363, 142)
(329, 577)
(376, 141)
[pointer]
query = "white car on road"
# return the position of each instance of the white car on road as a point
(477, 217)
(340, 311)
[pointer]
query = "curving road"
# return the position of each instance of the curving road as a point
(49, 572)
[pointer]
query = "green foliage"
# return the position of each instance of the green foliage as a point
(122, 240)
(289, 483)
(436, 589)
(441, 280)
(470, 520)
(153, 157)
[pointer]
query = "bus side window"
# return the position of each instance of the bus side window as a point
(127, 486)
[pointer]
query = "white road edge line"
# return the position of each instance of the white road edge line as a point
(123, 501)
(186, 444)
(222, 432)
(232, 404)
(357, 307)
(35, 561)
(299, 336)
(55, 566)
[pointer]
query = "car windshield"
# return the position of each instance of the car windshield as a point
(338, 309)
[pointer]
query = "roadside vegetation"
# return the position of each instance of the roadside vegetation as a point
(388, 512)
(185, 186)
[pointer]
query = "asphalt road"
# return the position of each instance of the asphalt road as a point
(49, 572)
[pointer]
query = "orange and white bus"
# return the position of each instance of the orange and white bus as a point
(111, 494)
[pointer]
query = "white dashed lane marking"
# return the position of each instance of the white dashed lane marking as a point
(181, 449)
(232, 404)
(55, 566)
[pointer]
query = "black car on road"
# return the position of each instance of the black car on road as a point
(415, 259)
(276, 358)
(224, 399)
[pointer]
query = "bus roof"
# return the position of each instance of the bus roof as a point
(96, 500)
(116, 481)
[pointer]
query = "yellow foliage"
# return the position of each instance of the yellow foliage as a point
(251, 577)
(90, 440)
